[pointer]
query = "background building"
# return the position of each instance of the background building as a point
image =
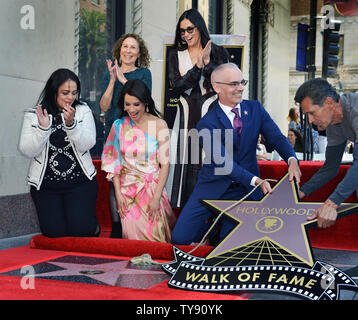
(39, 36)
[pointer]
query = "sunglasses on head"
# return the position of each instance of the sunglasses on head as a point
(188, 29)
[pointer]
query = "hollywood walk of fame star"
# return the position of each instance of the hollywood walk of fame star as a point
(118, 272)
(279, 218)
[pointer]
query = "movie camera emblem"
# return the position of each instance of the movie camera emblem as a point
(269, 224)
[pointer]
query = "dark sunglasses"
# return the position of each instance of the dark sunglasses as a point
(188, 30)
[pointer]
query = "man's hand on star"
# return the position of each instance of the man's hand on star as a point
(264, 185)
(294, 171)
(281, 205)
(326, 214)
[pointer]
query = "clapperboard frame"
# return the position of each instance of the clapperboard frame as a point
(185, 262)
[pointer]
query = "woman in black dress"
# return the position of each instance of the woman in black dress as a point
(191, 62)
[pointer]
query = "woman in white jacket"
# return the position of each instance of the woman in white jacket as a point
(57, 135)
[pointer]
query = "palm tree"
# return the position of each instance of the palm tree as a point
(92, 49)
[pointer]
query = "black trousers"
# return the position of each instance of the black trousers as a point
(67, 212)
(116, 220)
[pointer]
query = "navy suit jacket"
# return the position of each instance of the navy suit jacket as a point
(235, 155)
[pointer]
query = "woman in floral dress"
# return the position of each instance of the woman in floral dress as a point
(136, 157)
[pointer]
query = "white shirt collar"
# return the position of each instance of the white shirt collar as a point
(227, 109)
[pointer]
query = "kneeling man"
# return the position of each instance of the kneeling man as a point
(338, 115)
(230, 168)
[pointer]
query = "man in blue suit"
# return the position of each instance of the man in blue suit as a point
(230, 168)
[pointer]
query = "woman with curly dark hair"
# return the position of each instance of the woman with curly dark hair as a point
(131, 61)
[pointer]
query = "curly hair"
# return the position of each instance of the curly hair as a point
(144, 57)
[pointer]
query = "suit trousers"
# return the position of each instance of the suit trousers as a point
(68, 211)
(192, 223)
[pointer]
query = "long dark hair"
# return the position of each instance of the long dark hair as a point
(198, 21)
(138, 89)
(218, 55)
(48, 96)
(298, 147)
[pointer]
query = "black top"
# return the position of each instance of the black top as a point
(218, 55)
(62, 167)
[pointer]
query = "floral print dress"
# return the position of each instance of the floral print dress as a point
(133, 155)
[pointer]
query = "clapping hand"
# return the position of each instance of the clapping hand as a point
(111, 69)
(42, 117)
(68, 114)
(206, 53)
(120, 76)
(203, 56)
